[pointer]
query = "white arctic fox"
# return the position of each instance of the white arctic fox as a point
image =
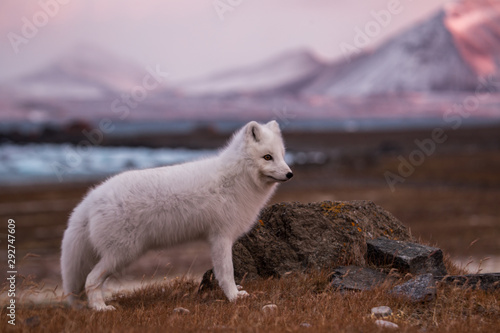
(216, 199)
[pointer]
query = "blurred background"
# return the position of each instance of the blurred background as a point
(394, 101)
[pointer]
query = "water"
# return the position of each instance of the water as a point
(49, 163)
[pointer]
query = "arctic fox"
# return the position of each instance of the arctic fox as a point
(216, 199)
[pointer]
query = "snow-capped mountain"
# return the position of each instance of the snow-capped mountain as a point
(85, 72)
(288, 72)
(421, 59)
(448, 52)
(475, 26)
(419, 73)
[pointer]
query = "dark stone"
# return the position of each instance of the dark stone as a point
(32, 321)
(405, 256)
(299, 237)
(208, 281)
(421, 288)
(356, 278)
(487, 281)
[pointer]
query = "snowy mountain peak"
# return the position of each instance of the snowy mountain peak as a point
(84, 72)
(101, 66)
(475, 26)
(447, 52)
(287, 72)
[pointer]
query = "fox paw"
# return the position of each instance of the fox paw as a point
(104, 308)
(243, 294)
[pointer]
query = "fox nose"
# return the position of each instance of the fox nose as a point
(289, 175)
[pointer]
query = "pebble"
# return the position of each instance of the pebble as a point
(32, 321)
(385, 324)
(381, 311)
(269, 308)
(183, 311)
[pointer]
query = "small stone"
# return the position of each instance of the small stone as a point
(356, 278)
(269, 308)
(381, 311)
(419, 289)
(304, 324)
(32, 321)
(386, 324)
(182, 311)
(208, 281)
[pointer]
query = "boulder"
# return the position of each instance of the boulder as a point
(406, 256)
(303, 236)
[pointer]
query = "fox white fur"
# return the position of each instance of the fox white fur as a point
(216, 199)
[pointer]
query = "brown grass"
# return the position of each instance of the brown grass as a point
(300, 299)
(450, 201)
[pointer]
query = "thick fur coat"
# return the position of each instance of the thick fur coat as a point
(216, 199)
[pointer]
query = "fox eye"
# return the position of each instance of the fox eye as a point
(268, 157)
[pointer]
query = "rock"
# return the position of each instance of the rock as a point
(208, 281)
(182, 311)
(32, 321)
(405, 256)
(386, 324)
(381, 311)
(419, 289)
(356, 278)
(269, 308)
(487, 281)
(292, 237)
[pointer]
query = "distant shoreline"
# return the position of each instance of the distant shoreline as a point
(212, 134)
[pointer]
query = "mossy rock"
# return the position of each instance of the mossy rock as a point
(290, 237)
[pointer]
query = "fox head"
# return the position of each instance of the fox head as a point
(266, 151)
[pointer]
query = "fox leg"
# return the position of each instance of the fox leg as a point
(95, 280)
(221, 250)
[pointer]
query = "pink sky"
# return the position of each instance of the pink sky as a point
(188, 38)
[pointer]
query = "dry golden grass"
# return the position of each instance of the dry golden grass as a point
(300, 299)
(455, 189)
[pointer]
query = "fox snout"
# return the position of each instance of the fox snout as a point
(288, 176)
(280, 177)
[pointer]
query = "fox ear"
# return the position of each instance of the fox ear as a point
(274, 126)
(253, 131)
